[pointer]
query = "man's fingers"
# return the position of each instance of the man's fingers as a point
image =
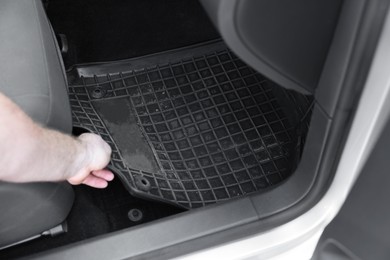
(97, 153)
(99, 179)
(95, 182)
(104, 174)
(98, 150)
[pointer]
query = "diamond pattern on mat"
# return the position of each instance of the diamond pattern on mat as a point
(216, 129)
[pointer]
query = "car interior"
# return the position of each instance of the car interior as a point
(221, 115)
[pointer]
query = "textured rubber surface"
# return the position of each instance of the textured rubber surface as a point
(214, 125)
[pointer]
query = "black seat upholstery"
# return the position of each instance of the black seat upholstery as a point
(32, 75)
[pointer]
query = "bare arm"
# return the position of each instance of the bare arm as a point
(29, 152)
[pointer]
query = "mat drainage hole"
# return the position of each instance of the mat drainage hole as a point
(142, 183)
(135, 215)
(98, 92)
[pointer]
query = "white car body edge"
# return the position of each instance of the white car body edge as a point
(298, 238)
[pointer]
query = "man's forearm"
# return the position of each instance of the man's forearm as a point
(30, 152)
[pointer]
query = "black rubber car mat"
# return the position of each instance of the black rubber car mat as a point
(189, 130)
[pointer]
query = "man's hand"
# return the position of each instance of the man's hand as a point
(32, 153)
(95, 156)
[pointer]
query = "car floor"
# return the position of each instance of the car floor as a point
(192, 126)
(266, 130)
